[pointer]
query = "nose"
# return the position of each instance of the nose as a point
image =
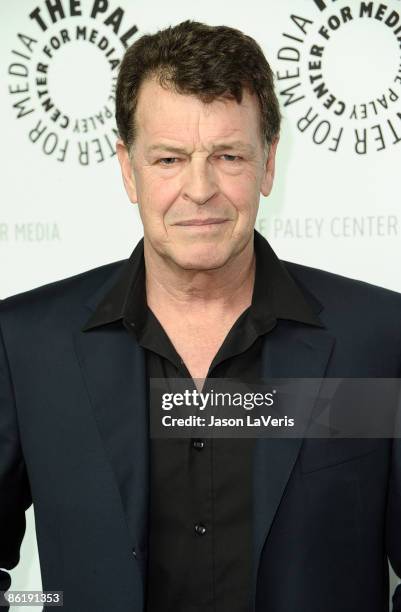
(199, 182)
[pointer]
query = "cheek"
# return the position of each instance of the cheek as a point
(156, 195)
(242, 192)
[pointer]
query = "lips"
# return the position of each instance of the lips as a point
(201, 221)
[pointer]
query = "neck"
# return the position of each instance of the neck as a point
(200, 292)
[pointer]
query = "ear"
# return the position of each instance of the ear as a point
(126, 171)
(268, 175)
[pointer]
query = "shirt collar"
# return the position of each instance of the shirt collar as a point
(276, 294)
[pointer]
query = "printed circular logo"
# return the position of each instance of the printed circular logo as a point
(339, 74)
(63, 74)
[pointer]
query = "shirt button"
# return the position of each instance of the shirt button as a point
(198, 444)
(200, 529)
(134, 552)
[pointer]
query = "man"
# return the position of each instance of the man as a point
(126, 522)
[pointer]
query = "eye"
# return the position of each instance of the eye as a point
(167, 161)
(231, 158)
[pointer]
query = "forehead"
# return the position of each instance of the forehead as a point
(163, 112)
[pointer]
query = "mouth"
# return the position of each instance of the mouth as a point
(199, 222)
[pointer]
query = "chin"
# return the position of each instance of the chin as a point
(206, 258)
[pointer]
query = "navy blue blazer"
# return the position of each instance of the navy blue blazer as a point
(74, 441)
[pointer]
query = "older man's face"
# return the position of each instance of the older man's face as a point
(196, 172)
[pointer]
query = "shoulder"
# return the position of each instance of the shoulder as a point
(343, 296)
(62, 297)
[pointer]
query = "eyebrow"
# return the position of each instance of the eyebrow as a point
(238, 145)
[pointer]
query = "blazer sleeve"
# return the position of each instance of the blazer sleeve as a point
(15, 494)
(393, 517)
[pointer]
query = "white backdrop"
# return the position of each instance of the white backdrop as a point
(335, 204)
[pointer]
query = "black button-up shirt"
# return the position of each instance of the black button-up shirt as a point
(200, 506)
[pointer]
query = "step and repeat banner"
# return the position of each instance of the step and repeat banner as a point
(335, 203)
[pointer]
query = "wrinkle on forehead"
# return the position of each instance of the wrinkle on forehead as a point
(166, 115)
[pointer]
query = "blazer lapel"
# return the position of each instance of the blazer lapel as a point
(113, 368)
(289, 351)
